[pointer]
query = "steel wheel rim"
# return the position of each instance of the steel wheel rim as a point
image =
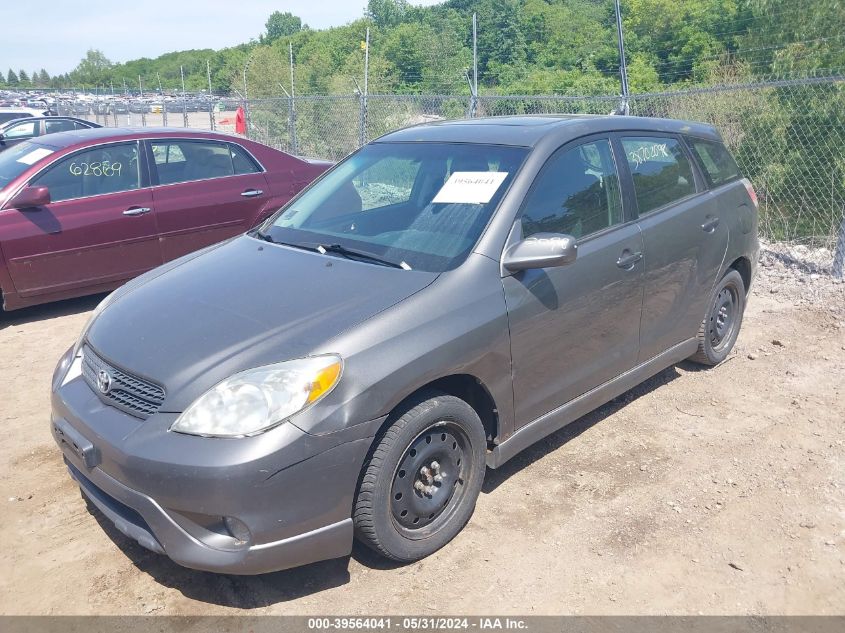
(723, 317)
(429, 481)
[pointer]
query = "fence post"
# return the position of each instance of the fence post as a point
(246, 117)
(362, 120)
(292, 126)
(839, 253)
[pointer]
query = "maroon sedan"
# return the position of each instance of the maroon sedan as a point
(82, 212)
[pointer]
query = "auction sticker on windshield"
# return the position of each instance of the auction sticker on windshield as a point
(34, 156)
(470, 187)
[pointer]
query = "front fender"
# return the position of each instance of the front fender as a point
(457, 325)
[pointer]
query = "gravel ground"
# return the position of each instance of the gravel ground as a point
(715, 491)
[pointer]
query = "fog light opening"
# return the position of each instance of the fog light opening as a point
(238, 530)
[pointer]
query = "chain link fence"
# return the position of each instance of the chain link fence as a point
(787, 136)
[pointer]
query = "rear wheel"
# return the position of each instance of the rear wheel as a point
(720, 328)
(419, 486)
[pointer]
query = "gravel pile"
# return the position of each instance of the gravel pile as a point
(801, 275)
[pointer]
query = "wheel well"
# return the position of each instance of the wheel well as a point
(474, 393)
(743, 267)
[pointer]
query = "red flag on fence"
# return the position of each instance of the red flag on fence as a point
(240, 121)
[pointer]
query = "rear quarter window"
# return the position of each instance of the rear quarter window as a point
(717, 161)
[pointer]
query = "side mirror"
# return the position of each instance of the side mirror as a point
(542, 250)
(30, 197)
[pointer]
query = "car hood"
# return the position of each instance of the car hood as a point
(240, 305)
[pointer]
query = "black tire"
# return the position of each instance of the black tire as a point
(443, 434)
(720, 327)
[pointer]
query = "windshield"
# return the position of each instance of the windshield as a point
(419, 205)
(18, 158)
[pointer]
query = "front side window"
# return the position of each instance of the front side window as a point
(661, 171)
(93, 172)
(24, 130)
(716, 160)
(183, 160)
(577, 193)
(421, 204)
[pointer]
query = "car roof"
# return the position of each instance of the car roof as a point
(62, 140)
(528, 130)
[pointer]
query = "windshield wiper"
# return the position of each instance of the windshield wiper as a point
(264, 236)
(350, 253)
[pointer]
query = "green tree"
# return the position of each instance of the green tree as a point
(387, 13)
(23, 79)
(93, 69)
(12, 79)
(43, 78)
(281, 25)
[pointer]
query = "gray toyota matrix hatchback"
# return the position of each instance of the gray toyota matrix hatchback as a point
(437, 302)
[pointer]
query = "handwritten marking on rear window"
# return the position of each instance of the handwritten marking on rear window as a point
(649, 152)
(104, 169)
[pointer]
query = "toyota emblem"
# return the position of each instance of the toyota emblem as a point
(104, 381)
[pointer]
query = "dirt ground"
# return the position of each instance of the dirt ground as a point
(701, 491)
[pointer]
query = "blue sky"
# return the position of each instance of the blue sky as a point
(54, 34)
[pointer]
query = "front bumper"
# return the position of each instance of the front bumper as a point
(171, 493)
(141, 519)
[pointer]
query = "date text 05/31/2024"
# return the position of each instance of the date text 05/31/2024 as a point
(416, 623)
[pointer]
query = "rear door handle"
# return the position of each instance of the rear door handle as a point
(251, 193)
(627, 259)
(710, 225)
(132, 211)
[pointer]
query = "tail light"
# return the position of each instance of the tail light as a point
(751, 193)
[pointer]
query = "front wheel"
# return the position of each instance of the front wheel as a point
(720, 328)
(420, 484)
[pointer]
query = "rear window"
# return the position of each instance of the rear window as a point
(716, 160)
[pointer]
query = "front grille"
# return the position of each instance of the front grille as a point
(136, 396)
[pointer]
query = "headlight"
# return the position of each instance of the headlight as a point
(258, 399)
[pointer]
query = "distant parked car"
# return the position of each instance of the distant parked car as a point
(81, 212)
(20, 130)
(139, 107)
(118, 107)
(9, 114)
(80, 107)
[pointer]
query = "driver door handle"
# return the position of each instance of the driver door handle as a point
(710, 225)
(251, 193)
(627, 259)
(132, 211)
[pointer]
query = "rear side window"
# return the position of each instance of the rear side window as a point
(577, 193)
(186, 161)
(97, 171)
(59, 126)
(661, 170)
(716, 160)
